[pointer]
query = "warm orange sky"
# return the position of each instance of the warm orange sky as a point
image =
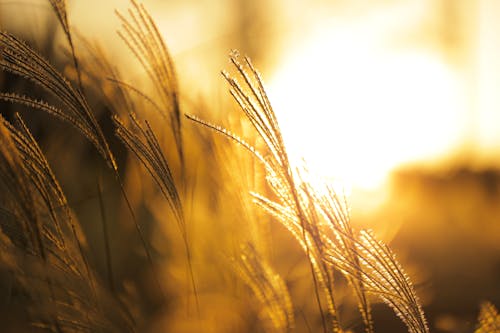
(389, 84)
(380, 83)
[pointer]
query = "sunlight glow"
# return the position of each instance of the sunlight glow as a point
(355, 108)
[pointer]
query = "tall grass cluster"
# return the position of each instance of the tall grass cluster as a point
(192, 223)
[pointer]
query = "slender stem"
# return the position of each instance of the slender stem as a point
(107, 250)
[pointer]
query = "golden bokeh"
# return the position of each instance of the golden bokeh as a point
(393, 103)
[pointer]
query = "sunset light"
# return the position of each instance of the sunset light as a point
(355, 108)
(250, 166)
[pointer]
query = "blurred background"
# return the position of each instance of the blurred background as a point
(397, 100)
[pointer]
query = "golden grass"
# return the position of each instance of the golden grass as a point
(43, 245)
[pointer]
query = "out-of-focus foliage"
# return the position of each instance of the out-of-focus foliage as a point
(128, 216)
(489, 319)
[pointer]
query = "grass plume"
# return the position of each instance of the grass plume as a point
(43, 250)
(141, 35)
(275, 306)
(18, 58)
(320, 222)
(142, 141)
(48, 253)
(59, 8)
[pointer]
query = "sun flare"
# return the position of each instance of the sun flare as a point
(355, 109)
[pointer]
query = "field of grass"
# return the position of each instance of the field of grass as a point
(127, 205)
